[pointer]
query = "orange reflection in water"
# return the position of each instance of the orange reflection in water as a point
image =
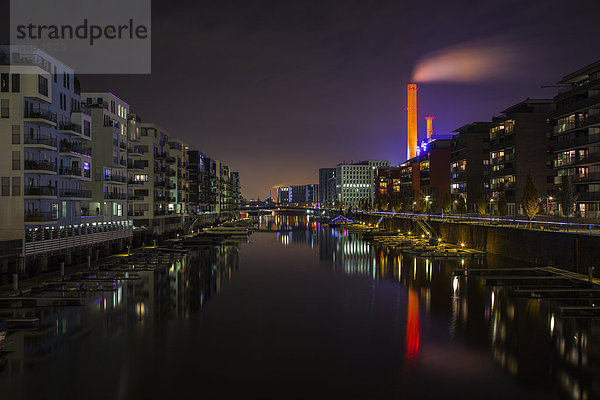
(413, 327)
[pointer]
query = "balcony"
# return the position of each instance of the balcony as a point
(41, 140)
(136, 182)
(40, 191)
(171, 160)
(136, 197)
(123, 145)
(40, 216)
(76, 193)
(115, 179)
(115, 196)
(70, 128)
(584, 123)
(564, 143)
(76, 148)
(140, 165)
(40, 116)
(169, 172)
(70, 171)
(588, 196)
(40, 166)
(135, 151)
(585, 178)
(162, 155)
(578, 105)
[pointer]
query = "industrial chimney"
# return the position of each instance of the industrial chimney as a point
(429, 127)
(411, 137)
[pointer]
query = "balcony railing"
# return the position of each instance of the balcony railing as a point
(39, 166)
(40, 191)
(40, 216)
(115, 196)
(137, 165)
(76, 193)
(68, 147)
(138, 197)
(40, 114)
(70, 171)
(41, 139)
(135, 182)
(115, 178)
(70, 126)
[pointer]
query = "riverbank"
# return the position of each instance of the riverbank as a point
(574, 252)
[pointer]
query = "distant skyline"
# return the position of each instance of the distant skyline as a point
(278, 90)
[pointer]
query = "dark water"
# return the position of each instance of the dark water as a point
(305, 312)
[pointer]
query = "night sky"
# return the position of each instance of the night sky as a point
(278, 89)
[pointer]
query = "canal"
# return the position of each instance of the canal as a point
(303, 311)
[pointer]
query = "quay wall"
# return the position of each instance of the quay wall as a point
(571, 251)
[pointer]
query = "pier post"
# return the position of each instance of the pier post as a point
(128, 250)
(62, 269)
(89, 261)
(591, 274)
(15, 281)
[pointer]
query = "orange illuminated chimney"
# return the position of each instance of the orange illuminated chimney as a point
(411, 137)
(429, 127)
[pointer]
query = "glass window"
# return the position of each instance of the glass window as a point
(3, 82)
(42, 85)
(16, 160)
(16, 83)
(4, 108)
(16, 134)
(5, 186)
(16, 186)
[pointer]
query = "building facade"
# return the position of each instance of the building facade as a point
(327, 195)
(521, 143)
(469, 163)
(576, 129)
(355, 183)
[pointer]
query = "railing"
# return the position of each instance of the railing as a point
(591, 177)
(41, 139)
(78, 193)
(136, 165)
(30, 59)
(123, 145)
(70, 126)
(115, 196)
(171, 160)
(67, 147)
(123, 162)
(138, 197)
(70, 171)
(115, 178)
(567, 126)
(40, 216)
(564, 143)
(39, 166)
(40, 191)
(135, 182)
(41, 114)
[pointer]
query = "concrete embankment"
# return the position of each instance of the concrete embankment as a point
(575, 252)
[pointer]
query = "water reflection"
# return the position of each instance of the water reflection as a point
(176, 290)
(526, 337)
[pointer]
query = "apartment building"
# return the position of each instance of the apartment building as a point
(469, 162)
(576, 129)
(356, 182)
(47, 162)
(109, 152)
(521, 143)
(327, 195)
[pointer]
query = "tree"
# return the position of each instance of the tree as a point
(461, 206)
(480, 202)
(567, 197)
(530, 201)
(502, 205)
(447, 204)
(432, 205)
